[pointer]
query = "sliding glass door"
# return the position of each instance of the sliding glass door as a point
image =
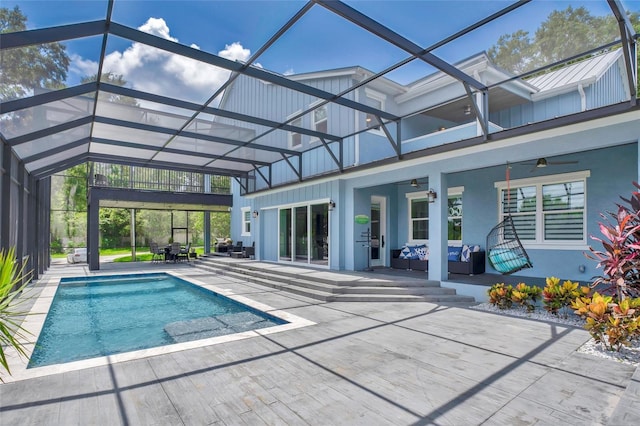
(304, 234)
(301, 235)
(285, 234)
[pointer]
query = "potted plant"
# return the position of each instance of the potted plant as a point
(13, 279)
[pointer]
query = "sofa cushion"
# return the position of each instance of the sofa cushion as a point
(413, 252)
(465, 255)
(453, 253)
(504, 260)
(405, 252)
(423, 252)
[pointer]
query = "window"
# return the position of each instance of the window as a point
(454, 215)
(375, 100)
(549, 211)
(295, 139)
(246, 221)
(419, 219)
(320, 122)
(419, 215)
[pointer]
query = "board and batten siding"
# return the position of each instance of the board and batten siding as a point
(256, 98)
(609, 89)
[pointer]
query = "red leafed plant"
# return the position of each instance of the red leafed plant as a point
(620, 257)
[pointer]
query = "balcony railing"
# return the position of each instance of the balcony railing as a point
(143, 178)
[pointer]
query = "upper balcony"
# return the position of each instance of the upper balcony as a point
(150, 179)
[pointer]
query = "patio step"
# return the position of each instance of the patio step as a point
(331, 286)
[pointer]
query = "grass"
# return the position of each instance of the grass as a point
(103, 252)
(140, 257)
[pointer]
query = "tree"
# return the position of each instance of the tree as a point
(513, 52)
(25, 69)
(220, 224)
(116, 80)
(115, 226)
(565, 33)
(69, 197)
(569, 32)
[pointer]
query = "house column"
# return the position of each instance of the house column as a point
(438, 228)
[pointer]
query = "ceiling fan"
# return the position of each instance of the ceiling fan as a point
(542, 162)
(416, 183)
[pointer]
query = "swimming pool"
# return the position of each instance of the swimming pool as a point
(104, 315)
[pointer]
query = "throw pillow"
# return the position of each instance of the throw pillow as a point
(465, 255)
(454, 254)
(423, 252)
(405, 252)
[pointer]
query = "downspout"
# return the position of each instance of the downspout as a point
(583, 98)
(356, 148)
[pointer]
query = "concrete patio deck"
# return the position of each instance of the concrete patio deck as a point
(360, 364)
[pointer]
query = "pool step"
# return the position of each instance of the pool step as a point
(219, 325)
(331, 286)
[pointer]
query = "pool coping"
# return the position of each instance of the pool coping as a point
(34, 322)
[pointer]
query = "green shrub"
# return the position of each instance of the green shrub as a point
(610, 323)
(13, 279)
(557, 298)
(526, 296)
(500, 295)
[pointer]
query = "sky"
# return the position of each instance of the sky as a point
(235, 30)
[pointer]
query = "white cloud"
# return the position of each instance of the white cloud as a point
(157, 71)
(157, 27)
(82, 67)
(235, 51)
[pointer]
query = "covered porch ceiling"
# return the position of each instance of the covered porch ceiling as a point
(167, 114)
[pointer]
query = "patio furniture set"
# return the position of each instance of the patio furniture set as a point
(173, 252)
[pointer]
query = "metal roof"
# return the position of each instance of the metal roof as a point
(585, 72)
(178, 125)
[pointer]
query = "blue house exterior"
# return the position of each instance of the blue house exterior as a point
(566, 117)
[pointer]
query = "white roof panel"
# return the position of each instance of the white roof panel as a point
(586, 71)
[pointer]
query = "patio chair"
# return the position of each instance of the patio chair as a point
(184, 253)
(250, 251)
(157, 253)
(505, 251)
(174, 252)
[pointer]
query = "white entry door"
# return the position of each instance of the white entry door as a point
(378, 230)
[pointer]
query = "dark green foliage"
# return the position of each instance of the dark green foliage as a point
(565, 33)
(27, 68)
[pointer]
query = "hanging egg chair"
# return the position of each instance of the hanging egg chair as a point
(504, 249)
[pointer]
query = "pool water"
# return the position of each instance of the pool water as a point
(99, 316)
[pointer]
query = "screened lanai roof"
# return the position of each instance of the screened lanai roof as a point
(173, 61)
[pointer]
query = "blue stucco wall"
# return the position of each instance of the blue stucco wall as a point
(612, 171)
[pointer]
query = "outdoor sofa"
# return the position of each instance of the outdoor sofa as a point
(467, 259)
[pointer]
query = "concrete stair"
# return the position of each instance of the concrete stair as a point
(330, 286)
